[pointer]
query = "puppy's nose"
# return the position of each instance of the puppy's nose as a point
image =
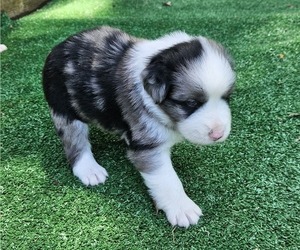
(215, 135)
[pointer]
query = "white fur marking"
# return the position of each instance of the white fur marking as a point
(215, 70)
(89, 171)
(69, 68)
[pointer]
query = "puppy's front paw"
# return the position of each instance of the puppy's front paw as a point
(183, 212)
(89, 172)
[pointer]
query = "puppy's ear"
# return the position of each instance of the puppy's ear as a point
(156, 82)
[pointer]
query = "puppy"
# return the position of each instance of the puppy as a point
(154, 93)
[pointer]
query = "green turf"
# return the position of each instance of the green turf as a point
(248, 187)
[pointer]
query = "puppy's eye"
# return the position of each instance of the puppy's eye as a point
(192, 103)
(226, 98)
(227, 95)
(189, 104)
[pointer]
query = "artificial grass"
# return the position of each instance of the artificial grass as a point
(248, 187)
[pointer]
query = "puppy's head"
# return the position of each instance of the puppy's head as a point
(192, 82)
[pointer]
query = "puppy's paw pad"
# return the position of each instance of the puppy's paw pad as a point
(90, 173)
(184, 213)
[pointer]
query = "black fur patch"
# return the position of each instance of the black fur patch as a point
(175, 57)
(159, 73)
(139, 145)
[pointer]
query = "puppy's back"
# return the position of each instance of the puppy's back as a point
(79, 75)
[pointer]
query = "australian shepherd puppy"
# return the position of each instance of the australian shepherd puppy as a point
(154, 93)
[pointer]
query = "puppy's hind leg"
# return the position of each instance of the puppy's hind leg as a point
(74, 136)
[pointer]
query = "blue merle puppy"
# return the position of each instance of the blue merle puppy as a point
(154, 93)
